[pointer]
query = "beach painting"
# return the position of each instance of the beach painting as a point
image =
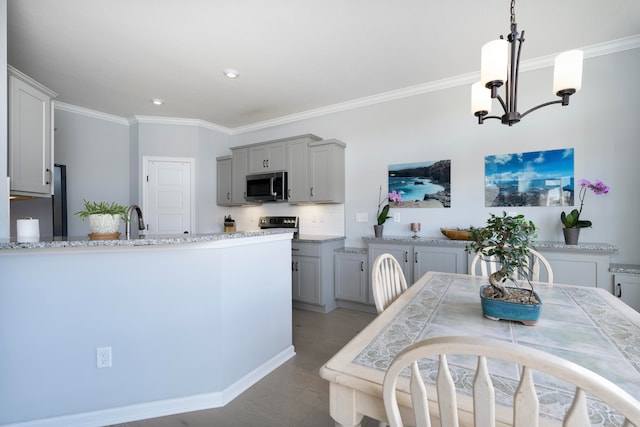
(421, 185)
(537, 178)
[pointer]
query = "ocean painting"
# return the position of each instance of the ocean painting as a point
(537, 178)
(421, 185)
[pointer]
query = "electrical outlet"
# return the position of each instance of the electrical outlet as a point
(396, 217)
(362, 217)
(103, 357)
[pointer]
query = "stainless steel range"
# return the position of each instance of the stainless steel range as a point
(291, 222)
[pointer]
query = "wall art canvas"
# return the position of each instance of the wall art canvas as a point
(537, 178)
(422, 184)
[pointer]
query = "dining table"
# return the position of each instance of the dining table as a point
(588, 326)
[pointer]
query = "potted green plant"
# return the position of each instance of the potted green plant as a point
(383, 215)
(507, 240)
(572, 222)
(104, 218)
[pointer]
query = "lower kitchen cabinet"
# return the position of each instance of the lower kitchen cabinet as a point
(627, 288)
(312, 272)
(351, 276)
(418, 257)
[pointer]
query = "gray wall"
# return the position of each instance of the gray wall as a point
(96, 153)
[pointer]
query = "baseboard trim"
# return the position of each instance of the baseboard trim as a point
(160, 408)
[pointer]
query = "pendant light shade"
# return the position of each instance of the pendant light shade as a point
(567, 72)
(494, 60)
(480, 99)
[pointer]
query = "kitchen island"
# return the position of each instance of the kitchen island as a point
(190, 322)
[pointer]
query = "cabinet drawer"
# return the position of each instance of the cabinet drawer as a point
(305, 249)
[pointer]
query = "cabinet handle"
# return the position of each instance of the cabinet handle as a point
(294, 249)
(288, 193)
(406, 256)
(267, 163)
(619, 291)
(361, 265)
(228, 196)
(297, 266)
(311, 191)
(264, 163)
(49, 177)
(415, 257)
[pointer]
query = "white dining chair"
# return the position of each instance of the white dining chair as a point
(525, 412)
(388, 281)
(489, 264)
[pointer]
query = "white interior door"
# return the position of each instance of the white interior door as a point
(168, 197)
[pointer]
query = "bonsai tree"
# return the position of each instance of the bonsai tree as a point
(508, 239)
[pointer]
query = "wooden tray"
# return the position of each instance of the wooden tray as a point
(111, 236)
(456, 233)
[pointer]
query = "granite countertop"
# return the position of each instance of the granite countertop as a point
(625, 268)
(318, 238)
(541, 244)
(84, 241)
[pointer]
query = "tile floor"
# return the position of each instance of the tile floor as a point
(293, 395)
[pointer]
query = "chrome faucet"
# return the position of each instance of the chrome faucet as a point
(141, 225)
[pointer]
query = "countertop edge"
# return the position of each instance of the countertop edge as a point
(75, 242)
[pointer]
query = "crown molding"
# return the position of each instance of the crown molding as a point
(179, 121)
(614, 46)
(89, 113)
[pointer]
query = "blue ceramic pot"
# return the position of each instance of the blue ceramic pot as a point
(496, 309)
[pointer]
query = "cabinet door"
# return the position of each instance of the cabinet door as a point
(223, 177)
(304, 280)
(30, 158)
(297, 169)
(267, 157)
(351, 277)
(326, 172)
(627, 288)
(239, 176)
(446, 260)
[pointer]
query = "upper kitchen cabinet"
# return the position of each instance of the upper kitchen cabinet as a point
(326, 171)
(30, 136)
(239, 168)
(224, 177)
(298, 169)
(268, 157)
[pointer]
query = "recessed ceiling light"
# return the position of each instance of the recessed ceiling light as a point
(157, 101)
(231, 73)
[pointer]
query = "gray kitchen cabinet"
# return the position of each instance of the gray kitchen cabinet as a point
(326, 171)
(30, 147)
(312, 271)
(576, 266)
(239, 168)
(268, 157)
(298, 168)
(627, 288)
(438, 258)
(351, 277)
(402, 253)
(224, 177)
(417, 258)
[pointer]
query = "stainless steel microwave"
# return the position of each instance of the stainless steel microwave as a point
(267, 187)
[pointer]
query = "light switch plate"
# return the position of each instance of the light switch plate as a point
(362, 217)
(396, 217)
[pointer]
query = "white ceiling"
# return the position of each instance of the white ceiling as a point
(294, 56)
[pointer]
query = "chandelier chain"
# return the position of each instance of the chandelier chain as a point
(513, 11)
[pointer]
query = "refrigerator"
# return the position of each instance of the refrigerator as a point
(50, 212)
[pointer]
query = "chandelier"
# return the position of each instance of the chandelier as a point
(500, 64)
